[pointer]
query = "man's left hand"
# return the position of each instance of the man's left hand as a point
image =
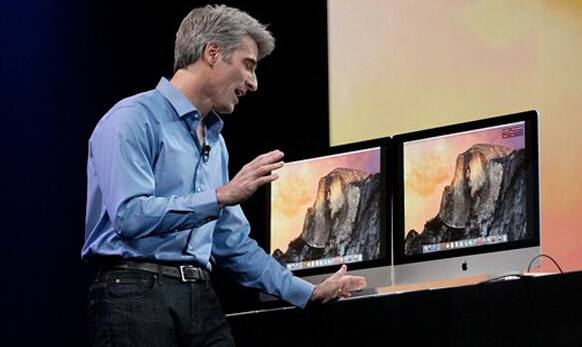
(338, 285)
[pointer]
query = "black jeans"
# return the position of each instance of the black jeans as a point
(137, 308)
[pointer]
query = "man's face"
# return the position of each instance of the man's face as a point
(231, 79)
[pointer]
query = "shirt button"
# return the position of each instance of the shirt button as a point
(199, 189)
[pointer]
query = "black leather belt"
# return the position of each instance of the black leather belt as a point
(185, 273)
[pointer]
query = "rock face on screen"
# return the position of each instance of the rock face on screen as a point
(486, 197)
(343, 220)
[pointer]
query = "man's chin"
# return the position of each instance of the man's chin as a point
(225, 109)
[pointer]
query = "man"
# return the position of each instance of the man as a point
(161, 210)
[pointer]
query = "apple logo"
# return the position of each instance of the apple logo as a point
(464, 266)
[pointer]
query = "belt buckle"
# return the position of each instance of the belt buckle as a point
(191, 275)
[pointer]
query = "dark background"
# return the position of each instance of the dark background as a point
(63, 65)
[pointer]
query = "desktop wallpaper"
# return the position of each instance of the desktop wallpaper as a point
(324, 207)
(399, 66)
(465, 186)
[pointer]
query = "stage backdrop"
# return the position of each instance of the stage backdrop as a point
(399, 66)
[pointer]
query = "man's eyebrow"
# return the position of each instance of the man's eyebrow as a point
(252, 61)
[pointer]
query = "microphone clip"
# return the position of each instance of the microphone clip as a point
(206, 152)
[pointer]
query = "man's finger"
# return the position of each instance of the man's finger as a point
(340, 273)
(271, 167)
(268, 158)
(351, 283)
(260, 159)
(264, 180)
(274, 156)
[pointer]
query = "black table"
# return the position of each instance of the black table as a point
(531, 311)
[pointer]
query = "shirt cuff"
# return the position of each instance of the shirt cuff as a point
(299, 292)
(205, 206)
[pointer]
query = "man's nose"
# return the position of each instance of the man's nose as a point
(252, 82)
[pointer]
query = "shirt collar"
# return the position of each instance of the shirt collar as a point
(184, 107)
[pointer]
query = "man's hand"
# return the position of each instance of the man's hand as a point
(250, 178)
(338, 285)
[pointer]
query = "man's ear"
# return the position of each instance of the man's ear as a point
(210, 53)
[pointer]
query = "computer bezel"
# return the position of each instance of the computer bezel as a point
(385, 145)
(532, 152)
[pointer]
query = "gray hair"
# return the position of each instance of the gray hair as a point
(222, 25)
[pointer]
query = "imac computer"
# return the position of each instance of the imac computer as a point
(466, 199)
(331, 208)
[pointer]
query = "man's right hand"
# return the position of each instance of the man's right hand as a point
(250, 178)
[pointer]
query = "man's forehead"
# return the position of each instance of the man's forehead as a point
(248, 48)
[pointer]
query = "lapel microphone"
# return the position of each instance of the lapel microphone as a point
(206, 152)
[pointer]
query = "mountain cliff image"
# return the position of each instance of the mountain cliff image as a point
(486, 197)
(343, 220)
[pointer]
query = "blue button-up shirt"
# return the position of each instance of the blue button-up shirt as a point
(151, 194)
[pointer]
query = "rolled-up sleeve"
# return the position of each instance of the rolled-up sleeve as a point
(234, 250)
(123, 151)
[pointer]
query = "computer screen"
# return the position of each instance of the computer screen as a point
(467, 199)
(331, 208)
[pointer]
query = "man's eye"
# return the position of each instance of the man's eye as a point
(250, 66)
